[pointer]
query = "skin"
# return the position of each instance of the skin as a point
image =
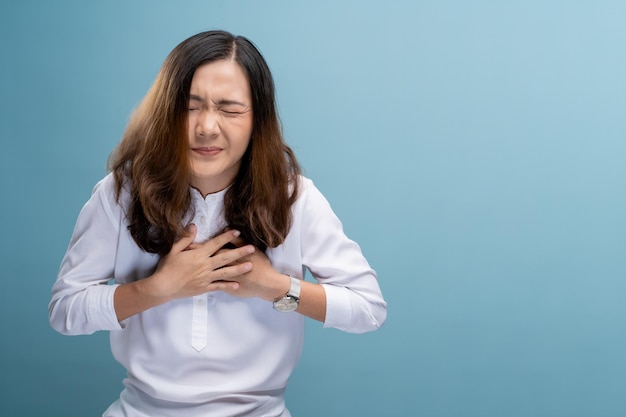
(219, 124)
(219, 131)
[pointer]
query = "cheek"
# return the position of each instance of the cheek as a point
(243, 145)
(190, 126)
(244, 134)
(248, 129)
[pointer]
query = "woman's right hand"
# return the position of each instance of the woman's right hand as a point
(187, 270)
(193, 269)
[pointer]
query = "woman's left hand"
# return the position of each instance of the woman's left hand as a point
(262, 280)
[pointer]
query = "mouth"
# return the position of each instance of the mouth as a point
(207, 151)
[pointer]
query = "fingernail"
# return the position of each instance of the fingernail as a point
(236, 233)
(250, 249)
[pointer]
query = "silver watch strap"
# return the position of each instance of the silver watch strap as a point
(294, 289)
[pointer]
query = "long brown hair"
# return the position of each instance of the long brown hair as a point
(153, 153)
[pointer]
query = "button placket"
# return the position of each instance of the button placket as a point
(199, 322)
(207, 224)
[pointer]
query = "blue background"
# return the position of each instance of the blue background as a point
(475, 149)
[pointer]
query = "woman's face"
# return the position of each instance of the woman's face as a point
(219, 124)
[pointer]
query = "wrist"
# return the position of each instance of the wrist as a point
(291, 299)
(133, 298)
(280, 285)
(152, 288)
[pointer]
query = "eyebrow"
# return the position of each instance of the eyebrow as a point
(223, 102)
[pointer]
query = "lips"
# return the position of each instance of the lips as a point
(207, 151)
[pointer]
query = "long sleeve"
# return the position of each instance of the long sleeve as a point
(82, 300)
(353, 297)
(244, 368)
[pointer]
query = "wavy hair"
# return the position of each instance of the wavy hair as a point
(152, 157)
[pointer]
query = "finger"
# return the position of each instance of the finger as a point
(223, 250)
(230, 272)
(238, 241)
(184, 242)
(225, 286)
(215, 244)
(229, 256)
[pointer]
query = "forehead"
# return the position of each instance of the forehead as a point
(224, 79)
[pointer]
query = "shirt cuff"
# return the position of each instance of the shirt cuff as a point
(102, 309)
(338, 307)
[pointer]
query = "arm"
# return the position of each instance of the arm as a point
(346, 295)
(83, 303)
(188, 270)
(265, 282)
(354, 302)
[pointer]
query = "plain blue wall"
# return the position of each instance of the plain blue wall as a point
(475, 150)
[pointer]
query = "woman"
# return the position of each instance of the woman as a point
(205, 226)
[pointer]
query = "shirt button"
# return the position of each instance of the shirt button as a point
(202, 220)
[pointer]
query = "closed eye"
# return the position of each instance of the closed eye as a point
(233, 112)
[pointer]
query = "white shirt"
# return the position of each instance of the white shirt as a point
(213, 354)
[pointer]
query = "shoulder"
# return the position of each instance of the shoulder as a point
(107, 187)
(309, 196)
(105, 195)
(304, 183)
(306, 187)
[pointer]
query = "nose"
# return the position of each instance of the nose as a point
(207, 124)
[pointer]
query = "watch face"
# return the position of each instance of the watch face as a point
(286, 304)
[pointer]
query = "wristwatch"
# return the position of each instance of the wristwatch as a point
(289, 302)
